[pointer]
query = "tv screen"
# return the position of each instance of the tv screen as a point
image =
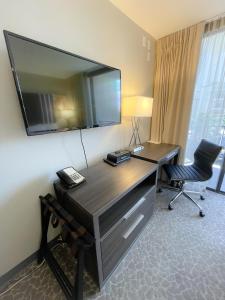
(60, 91)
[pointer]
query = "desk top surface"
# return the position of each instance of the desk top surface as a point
(105, 184)
(156, 152)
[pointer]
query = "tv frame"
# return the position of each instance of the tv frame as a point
(18, 89)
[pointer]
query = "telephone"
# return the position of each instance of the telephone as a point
(70, 177)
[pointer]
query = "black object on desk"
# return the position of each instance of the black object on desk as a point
(114, 205)
(118, 157)
(111, 163)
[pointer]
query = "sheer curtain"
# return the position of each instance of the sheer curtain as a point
(208, 107)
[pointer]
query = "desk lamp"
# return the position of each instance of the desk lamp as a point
(137, 107)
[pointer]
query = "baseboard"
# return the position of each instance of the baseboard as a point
(11, 273)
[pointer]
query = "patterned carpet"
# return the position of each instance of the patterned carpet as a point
(179, 256)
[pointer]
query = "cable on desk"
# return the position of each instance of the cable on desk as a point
(81, 140)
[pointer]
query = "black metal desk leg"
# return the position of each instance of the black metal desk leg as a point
(175, 159)
(45, 218)
(78, 285)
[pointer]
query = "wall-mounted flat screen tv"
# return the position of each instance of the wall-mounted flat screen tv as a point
(60, 91)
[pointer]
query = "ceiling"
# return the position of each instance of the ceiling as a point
(161, 17)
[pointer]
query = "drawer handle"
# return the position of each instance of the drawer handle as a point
(132, 227)
(135, 207)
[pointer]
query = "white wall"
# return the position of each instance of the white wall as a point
(91, 28)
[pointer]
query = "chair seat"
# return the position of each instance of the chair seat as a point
(179, 172)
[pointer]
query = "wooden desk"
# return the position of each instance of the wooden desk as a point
(114, 204)
(158, 153)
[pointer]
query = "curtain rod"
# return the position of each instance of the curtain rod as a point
(206, 21)
(215, 18)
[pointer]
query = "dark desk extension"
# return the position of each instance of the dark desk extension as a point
(114, 204)
(158, 153)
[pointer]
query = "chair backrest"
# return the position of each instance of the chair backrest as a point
(205, 155)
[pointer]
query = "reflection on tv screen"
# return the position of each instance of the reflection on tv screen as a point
(60, 91)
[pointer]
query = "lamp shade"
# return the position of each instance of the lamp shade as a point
(137, 106)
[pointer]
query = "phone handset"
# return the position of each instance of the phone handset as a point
(70, 177)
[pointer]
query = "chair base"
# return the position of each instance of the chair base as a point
(198, 193)
(184, 193)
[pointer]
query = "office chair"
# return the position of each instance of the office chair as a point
(201, 170)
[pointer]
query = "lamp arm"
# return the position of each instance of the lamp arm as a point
(133, 132)
(137, 122)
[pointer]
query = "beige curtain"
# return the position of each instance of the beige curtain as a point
(214, 25)
(177, 58)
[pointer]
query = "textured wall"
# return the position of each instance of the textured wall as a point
(91, 28)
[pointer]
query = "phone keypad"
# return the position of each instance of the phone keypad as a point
(75, 176)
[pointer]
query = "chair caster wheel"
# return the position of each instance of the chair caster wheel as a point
(159, 190)
(170, 207)
(202, 197)
(201, 214)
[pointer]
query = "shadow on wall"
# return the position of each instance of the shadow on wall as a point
(11, 121)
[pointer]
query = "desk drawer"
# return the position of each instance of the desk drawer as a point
(114, 246)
